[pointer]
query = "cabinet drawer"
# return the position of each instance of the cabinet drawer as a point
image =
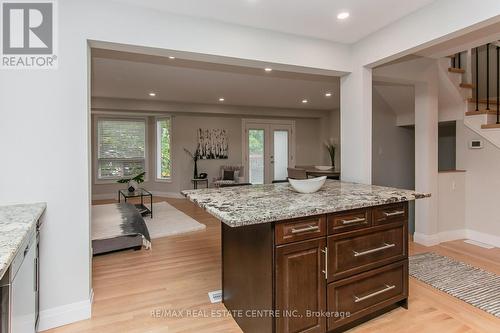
(367, 292)
(352, 220)
(300, 229)
(355, 254)
(390, 213)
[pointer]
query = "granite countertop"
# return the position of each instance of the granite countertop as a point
(16, 221)
(246, 205)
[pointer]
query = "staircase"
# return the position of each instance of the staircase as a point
(476, 75)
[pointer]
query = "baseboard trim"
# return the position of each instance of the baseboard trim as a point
(446, 236)
(426, 240)
(483, 238)
(66, 314)
(107, 196)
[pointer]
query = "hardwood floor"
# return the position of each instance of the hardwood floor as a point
(179, 271)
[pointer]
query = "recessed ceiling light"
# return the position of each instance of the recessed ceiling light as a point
(152, 94)
(304, 101)
(171, 57)
(343, 15)
(221, 99)
(268, 69)
(328, 94)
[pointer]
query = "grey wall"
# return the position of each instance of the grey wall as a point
(393, 148)
(447, 146)
(309, 150)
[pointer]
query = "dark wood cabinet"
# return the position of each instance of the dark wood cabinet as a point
(301, 287)
(300, 229)
(284, 266)
(360, 251)
(367, 292)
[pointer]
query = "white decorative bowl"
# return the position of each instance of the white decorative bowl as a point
(307, 185)
(323, 167)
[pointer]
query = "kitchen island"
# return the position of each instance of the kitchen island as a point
(320, 262)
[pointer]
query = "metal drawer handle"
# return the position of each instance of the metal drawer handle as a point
(397, 212)
(325, 271)
(386, 289)
(385, 246)
(356, 220)
(308, 228)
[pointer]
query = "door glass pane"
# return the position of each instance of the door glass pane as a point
(280, 154)
(256, 156)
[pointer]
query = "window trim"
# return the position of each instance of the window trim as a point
(158, 152)
(99, 181)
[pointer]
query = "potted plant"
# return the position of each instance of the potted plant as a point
(331, 146)
(194, 156)
(133, 183)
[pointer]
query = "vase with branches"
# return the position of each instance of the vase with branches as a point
(331, 146)
(195, 157)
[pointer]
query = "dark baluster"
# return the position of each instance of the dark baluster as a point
(498, 85)
(477, 79)
(488, 76)
(459, 60)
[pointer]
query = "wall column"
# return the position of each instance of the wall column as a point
(426, 162)
(356, 125)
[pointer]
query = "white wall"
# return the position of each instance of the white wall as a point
(430, 25)
(482, 184)
(393, 162)
(452, 205)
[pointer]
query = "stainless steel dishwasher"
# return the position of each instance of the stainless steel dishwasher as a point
(18, 289)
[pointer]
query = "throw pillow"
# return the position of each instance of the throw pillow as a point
(228, 175)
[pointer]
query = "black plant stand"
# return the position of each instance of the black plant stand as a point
(195, 182)
(139, 193)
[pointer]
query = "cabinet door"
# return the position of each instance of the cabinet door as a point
(301, 287)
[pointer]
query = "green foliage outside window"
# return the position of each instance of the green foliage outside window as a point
(256, 141)
(166, 162)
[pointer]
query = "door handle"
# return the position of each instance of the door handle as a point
(386, 289)
(356, 220)
(395, 213)
(308, 228)
(36, 275)
(325, 271)
(385, 246)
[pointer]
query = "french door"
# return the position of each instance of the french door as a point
(269, 149)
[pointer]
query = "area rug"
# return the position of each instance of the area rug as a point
(169, 221)
(470, 284)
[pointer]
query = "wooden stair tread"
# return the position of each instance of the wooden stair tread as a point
(475, 113)
(466, 85)
(490, 126)
(483, 101)
(456, 70)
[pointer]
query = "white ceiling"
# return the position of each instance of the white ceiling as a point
(128, 75)
(311, 18)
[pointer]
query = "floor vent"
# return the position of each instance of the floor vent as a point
(483, 245)
(215, 296)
